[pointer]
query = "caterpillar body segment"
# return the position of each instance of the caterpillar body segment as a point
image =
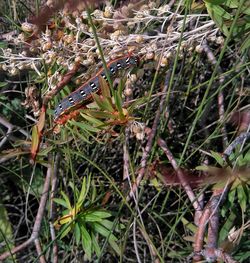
(83, 94)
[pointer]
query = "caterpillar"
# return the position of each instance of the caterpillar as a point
(83, 94)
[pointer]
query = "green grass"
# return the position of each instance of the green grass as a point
(159, 222)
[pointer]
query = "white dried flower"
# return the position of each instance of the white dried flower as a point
(98, 13)
(108, 12)
(199, 49)
(28, 27)
(14, 71)
(164, 62)
(128, 91)
(139, 39)
(150, 55)
(219, 40)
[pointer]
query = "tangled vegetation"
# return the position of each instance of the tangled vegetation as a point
(124, 130)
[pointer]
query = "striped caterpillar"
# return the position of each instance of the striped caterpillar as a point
(82, 95)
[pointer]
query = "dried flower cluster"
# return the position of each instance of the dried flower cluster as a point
(68, 39)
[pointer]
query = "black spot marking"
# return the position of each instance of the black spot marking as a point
(83, 93)
(112, 70)
(93, 86)
(71, 100)
(104, 76)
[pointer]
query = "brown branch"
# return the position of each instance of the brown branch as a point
(39, 250)
(151, 136)
(220, 255)
(38, 221)
(210, 217)
(213, 61)
(180, 175)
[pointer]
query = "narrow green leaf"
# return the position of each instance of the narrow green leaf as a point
(81, 135)
(104, 231)
(219, 11)
(202, 168)
(215, 2)
(5, 226)
(231, 196)
(242, 198)
(91, 119)
(218, 157)
(3, 45)
(103, 103)
(118, 103)
(3, 84)
(189, 225)
(65, 230)
(84, 190)
(114, 246)
(84, 126)
(102, 115)
(95, 244)
(104, 88)
(77, 233)
(86, 242)
(107, 223)
(232, 3)
(61, 202)
(66, 200)
(246, 44)
(227, 226)
(94, 216)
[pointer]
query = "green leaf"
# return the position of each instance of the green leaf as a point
(242, 198)
(102, 115)
(246, 44)
(231, 196)
(77, 233)
(227, 226)
(105, 90)
(91, 119)
(189, 225)
(215, 2)
(84, 190)
(118, 103)
(95, 244)
(96, 216)
(61, 202)
(3, 84)
(217, 13)
(81, 135)
(67, 201)
(104, 231)
(5, 226)
(103, 103)
(218, 157)
(3, 45)
(84, 126)
(86, 242)
(204, 168)
(232, 3)
(114, 246)
(107, 223)
(65, 230)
